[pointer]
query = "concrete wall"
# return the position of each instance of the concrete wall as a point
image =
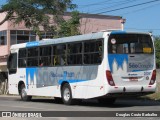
(4, 26)
(3, 50)
(96, 24)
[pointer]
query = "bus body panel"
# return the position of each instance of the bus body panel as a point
(131, 69)
(13, 84)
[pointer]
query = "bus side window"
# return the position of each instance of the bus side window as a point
(74, 54)
(12, 63)
(45, 56)
(93, 52)
(59, 55)
(55, 60)
(22, 62)
(32, 59)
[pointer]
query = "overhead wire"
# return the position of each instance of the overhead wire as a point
(128, 6)
(115, 5)
(111, 2)
(139, 9)
(96, 3)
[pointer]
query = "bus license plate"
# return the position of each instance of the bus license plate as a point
(133, 78)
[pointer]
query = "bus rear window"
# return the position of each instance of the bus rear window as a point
(130, 44)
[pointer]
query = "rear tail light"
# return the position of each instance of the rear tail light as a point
(153, 78)
(109, 78)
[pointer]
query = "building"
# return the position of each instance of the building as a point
(13, 34)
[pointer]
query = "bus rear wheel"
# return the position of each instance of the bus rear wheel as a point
(66, 94)
(23, 93)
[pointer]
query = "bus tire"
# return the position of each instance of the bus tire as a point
(107, 101)
(66, 94)
(23, 93)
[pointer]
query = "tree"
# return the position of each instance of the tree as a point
(34, 13)
(70, 27)
(157, 49)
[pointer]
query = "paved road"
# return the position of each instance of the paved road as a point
(13, 103)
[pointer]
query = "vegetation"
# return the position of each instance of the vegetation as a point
(70, 27)
(157, 48)
(36, 13)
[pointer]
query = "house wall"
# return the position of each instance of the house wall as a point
(95, 24)
(4, 26)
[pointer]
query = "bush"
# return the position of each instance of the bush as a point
(157, 49)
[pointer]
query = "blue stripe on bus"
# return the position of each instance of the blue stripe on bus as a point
(70, 81)
(32, 44)
(118, 32)
(30, 72)
(118, 58)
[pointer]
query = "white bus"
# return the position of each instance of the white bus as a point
(103, 65)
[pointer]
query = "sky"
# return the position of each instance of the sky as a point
(140, 15)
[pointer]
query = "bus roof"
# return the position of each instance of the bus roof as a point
(83, 37)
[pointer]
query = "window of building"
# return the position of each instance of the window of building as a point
(13, 32)
(22, 36)
(3, 37)
(46, 35)
(32, 38)
(13, 39)
(22, 39)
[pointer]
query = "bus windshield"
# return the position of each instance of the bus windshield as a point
(130, 44)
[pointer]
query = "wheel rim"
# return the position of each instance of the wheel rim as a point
(23, 93)
(66, 94)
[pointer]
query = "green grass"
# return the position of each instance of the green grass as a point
(154, 96)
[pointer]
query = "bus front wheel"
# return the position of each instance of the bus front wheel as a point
(23, 94)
